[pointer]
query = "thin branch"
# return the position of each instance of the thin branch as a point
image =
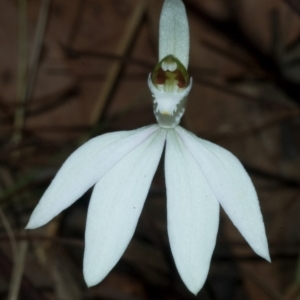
(270, 291)
(18, 270)
(294, 4)
(122, 49)
(245, 133)
(37, 47)
(10, 234)
(28, 291)
(22, 71)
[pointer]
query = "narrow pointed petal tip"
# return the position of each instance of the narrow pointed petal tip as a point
(91, 279)
(194, 289)
(264, 253)
(195, 286)
(267, 258)
(31, 225)
(261, 248)
(37, 219)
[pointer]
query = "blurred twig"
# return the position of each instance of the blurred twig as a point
(19, 251)
(284, 180)
(268, 102)
(275, 120)
(17, 187)
(122, 49)
(10, 234)
(293, 292)
(261, 283)
(28, 290)
(28, 71)
(294, 4)
(18, 269)
(37, 47)
(22, 71)
(42, 238)
(267, 62)
(77, 22)
(77, 54)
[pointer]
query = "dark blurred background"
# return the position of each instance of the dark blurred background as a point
(73, 69)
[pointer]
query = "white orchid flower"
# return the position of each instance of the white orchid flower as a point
(199, 176)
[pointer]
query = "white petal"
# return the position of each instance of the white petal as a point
(115, 207)
(193, 214)
(174, 37)
(84, 168)
(232, 187)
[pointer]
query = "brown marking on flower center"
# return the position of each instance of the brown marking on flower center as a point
(180, 79)
(161, 76)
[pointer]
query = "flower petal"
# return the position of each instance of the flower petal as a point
(232, 187)
(174, 37)
(115, 207)
(84, 168)
(193, 214)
